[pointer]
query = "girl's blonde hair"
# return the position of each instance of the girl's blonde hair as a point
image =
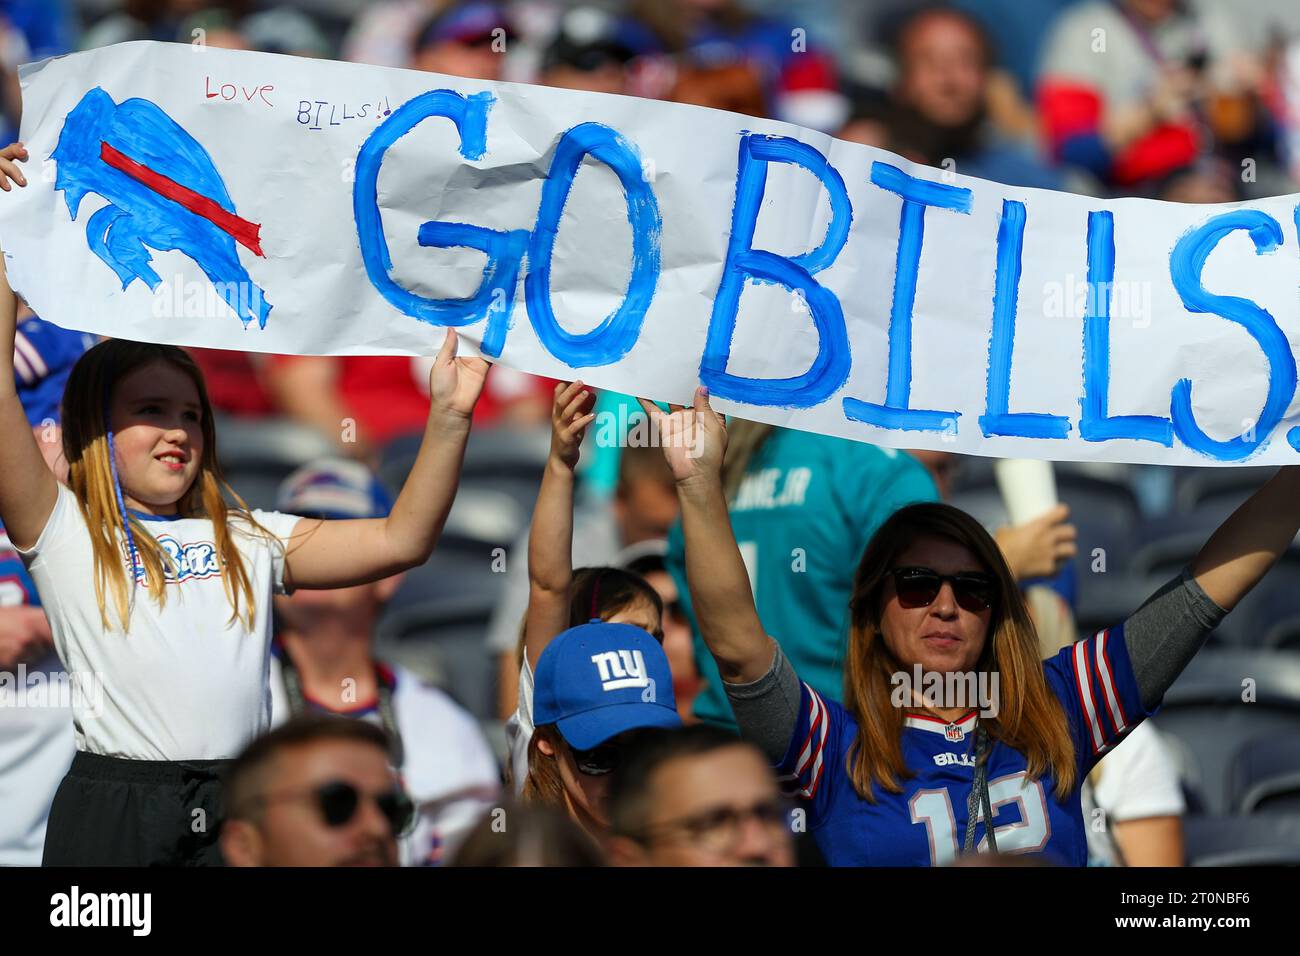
(93, 479)
(1029, 719)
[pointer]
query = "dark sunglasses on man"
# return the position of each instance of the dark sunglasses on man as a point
(975, 591)
(338, 802)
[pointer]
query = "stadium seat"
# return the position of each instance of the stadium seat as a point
(256, 455)
(1273, 600)
(1205, 715)
(1255, 622)
(1106, 599)
(481, 519)
(442, 641)
(1218, 490)
(1242, 841)
(396, 459)
(498, 483)
(498, 453)
(972, 471)
(1284, 635)
(984, 504)
(976, 471)
(1166, 545)
(1266, 776)
(455, 575)
(435, 623)
(1105, 511)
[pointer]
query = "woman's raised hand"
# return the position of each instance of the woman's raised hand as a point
(694, 440)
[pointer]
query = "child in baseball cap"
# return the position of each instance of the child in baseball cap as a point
(622, 641)
(595, 685)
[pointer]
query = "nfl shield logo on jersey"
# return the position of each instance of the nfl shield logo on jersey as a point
(954, 732)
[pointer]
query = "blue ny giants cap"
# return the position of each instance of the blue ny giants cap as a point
(597, 680)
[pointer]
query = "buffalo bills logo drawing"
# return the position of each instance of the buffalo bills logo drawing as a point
(164, 193)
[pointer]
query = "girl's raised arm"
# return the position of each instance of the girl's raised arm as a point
(341, 553)
(28, 488)
(694, 442)
(550, 539)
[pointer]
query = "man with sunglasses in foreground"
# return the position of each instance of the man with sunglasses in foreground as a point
(316, 791)
(323, 661)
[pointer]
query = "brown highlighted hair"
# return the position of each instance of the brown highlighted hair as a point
(1029, 719)
(544, 784)
(91, 477)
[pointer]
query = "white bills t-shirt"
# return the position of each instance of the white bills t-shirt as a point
(183, 682)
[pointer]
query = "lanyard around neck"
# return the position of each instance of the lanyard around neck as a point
(298, 704)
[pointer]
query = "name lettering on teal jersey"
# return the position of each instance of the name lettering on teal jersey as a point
(759, 491)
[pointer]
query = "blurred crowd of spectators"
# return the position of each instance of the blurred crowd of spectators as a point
(1183, 100)
(1105, 96)
(1174, 99)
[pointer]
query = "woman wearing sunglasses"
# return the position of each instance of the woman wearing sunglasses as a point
(892, 777)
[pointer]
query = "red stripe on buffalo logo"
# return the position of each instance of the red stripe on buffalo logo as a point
(241, 230)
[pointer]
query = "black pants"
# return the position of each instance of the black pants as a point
(114, 812)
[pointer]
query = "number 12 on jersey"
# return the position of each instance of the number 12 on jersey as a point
(934, 808)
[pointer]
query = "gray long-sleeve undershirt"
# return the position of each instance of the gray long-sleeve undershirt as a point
(1161, 636)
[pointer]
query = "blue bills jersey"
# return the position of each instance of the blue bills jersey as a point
(925, 824)
(16, 585)
(44, 355)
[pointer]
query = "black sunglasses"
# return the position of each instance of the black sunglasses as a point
(918, 587)
(599, 760)
(338, 802)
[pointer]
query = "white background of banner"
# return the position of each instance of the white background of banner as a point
(293, 182)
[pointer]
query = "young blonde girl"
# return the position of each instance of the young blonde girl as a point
(159, 593)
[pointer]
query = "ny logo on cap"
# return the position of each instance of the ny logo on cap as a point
(619, 669)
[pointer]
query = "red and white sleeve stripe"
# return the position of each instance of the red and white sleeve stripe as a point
(1117, 718)
(808, 768)
(1094, 690)
(28, 363)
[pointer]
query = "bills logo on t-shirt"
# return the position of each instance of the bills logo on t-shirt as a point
(195, 561)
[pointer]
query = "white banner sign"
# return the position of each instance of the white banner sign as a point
(268, 203)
